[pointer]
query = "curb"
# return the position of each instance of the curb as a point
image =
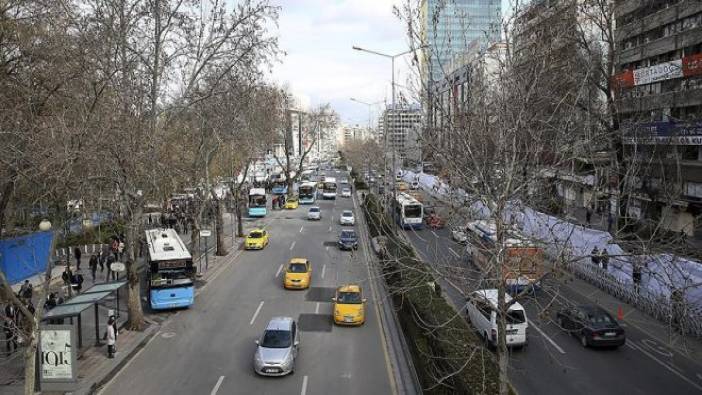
(115, 369)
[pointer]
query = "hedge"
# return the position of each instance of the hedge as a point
(439, 339)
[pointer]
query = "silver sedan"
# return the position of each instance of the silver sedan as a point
(277, 349)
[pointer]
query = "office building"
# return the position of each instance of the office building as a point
(448, 27)
(399, 125)
(658, 94)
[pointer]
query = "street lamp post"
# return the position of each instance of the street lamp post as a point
(385, 126)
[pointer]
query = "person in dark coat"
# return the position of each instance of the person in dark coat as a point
(77, 253)
(93, 265)
(604, 259)
(8, 327)
(595, 256)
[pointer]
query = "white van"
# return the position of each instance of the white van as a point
(482, 312)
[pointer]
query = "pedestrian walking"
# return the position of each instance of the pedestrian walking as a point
(114, 247)
(11, 312)
(604, 259)
(111, 338)
(77, 253)
(636, 276)
(8, 327)
(588, 216)
(120, 248)
(67, 276)
(101, 259)
(26, 290)
(93, 265)
(151, 220)
(110, 275)
(595, 256)
(610, 222)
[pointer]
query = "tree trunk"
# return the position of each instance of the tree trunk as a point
(219, 229)
(239, 223)
(134, 309)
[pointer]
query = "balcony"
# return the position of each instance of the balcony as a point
(683, 98)
(660, 18)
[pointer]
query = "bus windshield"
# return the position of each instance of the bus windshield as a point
(413, 211)
(306, 191)
(257, 201)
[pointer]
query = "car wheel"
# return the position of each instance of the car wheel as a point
(583, 340)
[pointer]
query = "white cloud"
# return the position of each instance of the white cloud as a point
(317, 36)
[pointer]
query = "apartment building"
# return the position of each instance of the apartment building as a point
(659, 100)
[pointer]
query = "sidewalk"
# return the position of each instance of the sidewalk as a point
(94, 368)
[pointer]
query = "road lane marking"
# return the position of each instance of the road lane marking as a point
(216, 387)
(665, 365)
(316, 308)
(556, 346)
(434, 233)
(301, 228)
(304, 386)
(326, 248)
(330, 228)
(256, 313)
(292, 246)
(280, 269)
(324, 267)
(454, 252)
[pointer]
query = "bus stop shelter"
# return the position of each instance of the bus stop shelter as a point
(91, 297)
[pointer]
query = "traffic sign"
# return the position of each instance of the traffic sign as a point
(205, 233)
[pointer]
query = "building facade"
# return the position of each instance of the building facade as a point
(658, 92)
(399, 125)
(450, 26)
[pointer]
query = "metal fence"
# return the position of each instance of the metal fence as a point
(688, 319)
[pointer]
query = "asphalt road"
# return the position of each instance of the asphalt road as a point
(554, 362)
(209, 347)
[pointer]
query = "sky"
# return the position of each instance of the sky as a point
(321, 66)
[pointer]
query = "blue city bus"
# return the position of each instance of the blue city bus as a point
(308, 192)
(257, 202)
(170, 271)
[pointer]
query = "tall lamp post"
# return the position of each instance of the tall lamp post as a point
(385, 124)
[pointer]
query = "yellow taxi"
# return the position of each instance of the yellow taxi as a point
(292, 203)
(256, 240)
(298, 274)
(349, 305)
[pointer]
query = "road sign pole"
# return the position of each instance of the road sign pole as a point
(207, 262)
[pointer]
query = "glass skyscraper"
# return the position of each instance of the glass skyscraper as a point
(453, 27)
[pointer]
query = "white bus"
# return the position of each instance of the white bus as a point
(308, 192)
(170, 270)
(408, 211)
(329, 188)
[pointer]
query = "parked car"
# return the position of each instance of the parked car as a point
(482, 313)
(592, 325)
(346, 218)
(277, 349)
(314, 213)
(348, 240)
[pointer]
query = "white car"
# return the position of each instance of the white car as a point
(346, 192)
(482, 312)
(347, 218)
(314, 213)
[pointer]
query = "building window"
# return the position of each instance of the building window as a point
(693, 189)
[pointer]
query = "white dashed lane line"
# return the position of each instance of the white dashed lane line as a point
(280, 269)
(292, 246)
(258, 310)
(553, 343)
(216, 387)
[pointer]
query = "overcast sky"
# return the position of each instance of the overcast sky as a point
(320, 64)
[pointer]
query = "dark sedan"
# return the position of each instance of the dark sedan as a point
(348, 240)
(592, 325)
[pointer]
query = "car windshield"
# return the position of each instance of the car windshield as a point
(347, 214)
(349, 234)
(292, 200)
(515, 317)
(599, 318)
(276, 339)
(314, 210)
(346, 190)
(256, 235)
(349, 297)
(297, 268)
